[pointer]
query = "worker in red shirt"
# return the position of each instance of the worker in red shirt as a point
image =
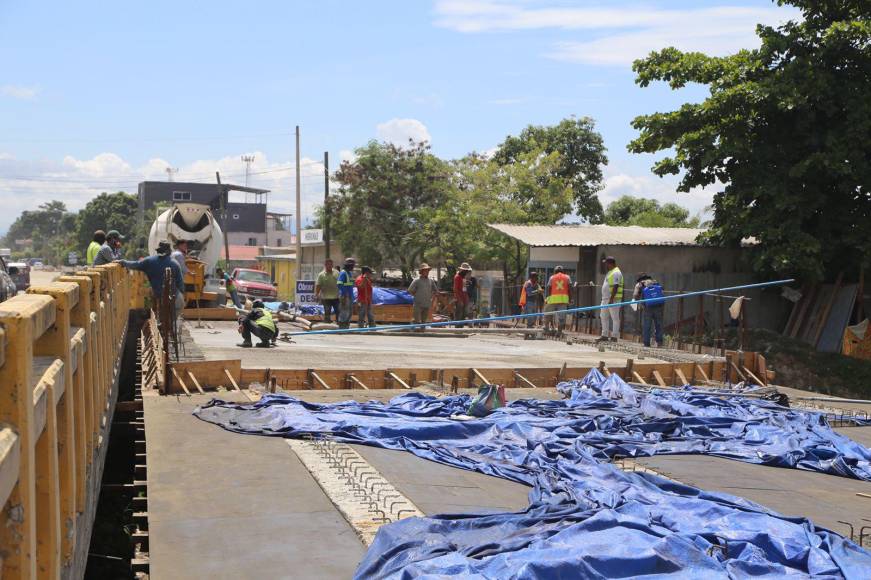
(461, 292)
(364, 297)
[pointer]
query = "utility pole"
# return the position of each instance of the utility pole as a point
(327, 203)
(298, 215)
(247, 160)
(223, 195)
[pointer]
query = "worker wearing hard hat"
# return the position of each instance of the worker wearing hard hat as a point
(260, 323)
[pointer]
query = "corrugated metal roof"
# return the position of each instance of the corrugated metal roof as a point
(599, 235)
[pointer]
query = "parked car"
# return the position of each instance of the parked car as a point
(22, 278)
(254, 284)
(7, 285)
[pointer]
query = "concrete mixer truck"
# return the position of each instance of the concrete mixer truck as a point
(195, 223)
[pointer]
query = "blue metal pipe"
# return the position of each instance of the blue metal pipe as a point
(541, 314)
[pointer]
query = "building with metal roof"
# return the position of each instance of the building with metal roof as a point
(599, 235)
(674, 256)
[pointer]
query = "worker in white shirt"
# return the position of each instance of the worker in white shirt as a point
(612, 292)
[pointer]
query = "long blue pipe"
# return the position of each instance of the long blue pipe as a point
(538, 314)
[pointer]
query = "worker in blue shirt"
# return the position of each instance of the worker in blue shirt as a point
(346, 293)
(155, 268)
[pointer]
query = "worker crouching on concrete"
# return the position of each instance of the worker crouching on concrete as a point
(258, 322)
(346, 293)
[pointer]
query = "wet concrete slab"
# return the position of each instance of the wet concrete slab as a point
(224, 505)
(218, 340)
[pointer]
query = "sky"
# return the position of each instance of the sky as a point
(98, 96)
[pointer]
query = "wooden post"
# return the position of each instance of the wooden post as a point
(24, 319)
(56, 342)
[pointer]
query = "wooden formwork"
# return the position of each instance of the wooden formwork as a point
(201, 375)
(59, 350)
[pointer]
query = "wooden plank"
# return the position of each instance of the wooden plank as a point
(681, 376)
(627, 372)
(393, 376)
(210, 313)
(10, 461)
(702, 372)
(357, 382)
(480, 376)
(638, 378)
(232, 380)
(180, 382)
(738, 371)
(196, 382)
(750, 374)
(807, 301)
(210, 373)
(658, 378)
(317, 379)
(824, 316)
(762, 368)
(524, 380)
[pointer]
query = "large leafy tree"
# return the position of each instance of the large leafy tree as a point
(107, 211)
(581, 158)
(639, 211)
(786, 132)
(51, 227)
(385, 197)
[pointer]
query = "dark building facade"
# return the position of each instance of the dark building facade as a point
(241, 217)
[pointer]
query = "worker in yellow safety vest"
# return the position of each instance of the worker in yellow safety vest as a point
(612, 292)
(260, 323)
(558, 288)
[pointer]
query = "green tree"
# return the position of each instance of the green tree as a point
(581, 153)
(107, 211)
(385, 196)
(786, 129)
(639, 211)
(51, 227)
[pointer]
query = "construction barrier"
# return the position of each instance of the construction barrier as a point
(60, 352)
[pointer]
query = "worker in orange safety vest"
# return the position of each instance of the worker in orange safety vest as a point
(558, 288)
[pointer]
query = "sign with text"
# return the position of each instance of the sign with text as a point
(305, 293)
(312, 237)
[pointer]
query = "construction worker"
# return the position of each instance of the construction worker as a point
(180, 255)
(461, 292)
(155, 268)
(345, 283)
(110, 250)
(230, 285)
(258, 322)
(558, 288)
(612, 292)
(327, 291)
(364, 297)
(425, 292)
(94, 247)
(646, 288)
(530, 298)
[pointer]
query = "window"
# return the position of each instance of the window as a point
(278, 243)
(252, 241)
(254, 276)
(181, 196)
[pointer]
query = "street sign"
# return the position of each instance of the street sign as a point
(305, 293)
(312, 237)
(73, 258)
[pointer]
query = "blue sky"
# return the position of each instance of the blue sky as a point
(99, 96)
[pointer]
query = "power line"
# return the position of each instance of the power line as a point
(144, 139)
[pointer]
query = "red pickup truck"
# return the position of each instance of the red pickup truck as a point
(254, 284)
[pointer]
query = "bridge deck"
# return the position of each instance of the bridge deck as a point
(223, 505)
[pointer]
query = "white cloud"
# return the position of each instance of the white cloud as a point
(19, 92)
(347, 155)
(399, 131)
(624, 33)
(24, 185)
(663, 190)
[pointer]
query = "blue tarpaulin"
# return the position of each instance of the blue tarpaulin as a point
(586, 517)
(380, 296)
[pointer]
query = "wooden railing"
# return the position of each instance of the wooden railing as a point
(60, 353)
